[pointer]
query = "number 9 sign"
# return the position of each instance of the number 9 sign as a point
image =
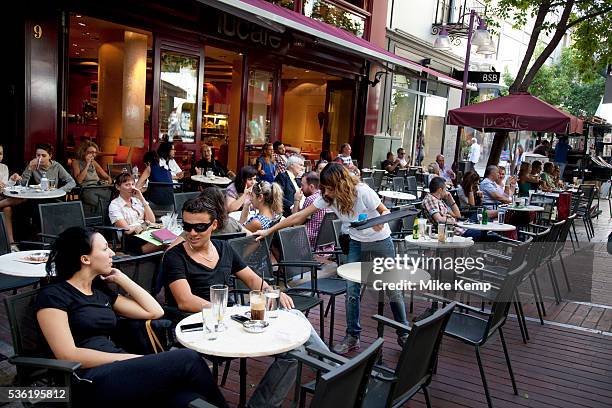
(38, 31)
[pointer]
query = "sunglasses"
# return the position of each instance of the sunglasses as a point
(199, 227)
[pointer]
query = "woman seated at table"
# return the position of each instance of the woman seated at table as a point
(344, 158)
(268, 200)
(239, 190)
(468, 190)
(209, 163)
(77, 313)
(547, 177)
(131, 212)
(434, 171)
(265, 164)
(559, 183)
(225, 223)
(44, 165)
(166, 152)
(504, 186)
(154, 171)
(526, 180)
(7, 203)
(85, 170)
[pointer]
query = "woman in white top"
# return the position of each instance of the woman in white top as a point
(131, 212)
(348, 198)
(166, 153)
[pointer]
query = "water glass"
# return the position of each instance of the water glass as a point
(479, 215)
(450, 233)
(272, 301)
(501, 216)
(422, 226)
(428, 229)
(218, 300)
(208, 334)
(52, 184)
(441, 232)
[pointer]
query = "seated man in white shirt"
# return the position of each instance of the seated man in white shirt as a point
(445, 169)
(491, 194)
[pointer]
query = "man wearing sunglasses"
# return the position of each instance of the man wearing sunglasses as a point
(192, 266)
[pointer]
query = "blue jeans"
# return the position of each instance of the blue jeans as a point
(367, 251)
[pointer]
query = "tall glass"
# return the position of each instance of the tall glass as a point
(257, 299)
(272, 301)
(218, 300)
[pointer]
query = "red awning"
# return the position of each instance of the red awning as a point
(521, 111)
(262, 12)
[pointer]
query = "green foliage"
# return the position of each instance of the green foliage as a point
(562, 85)
(590, 25)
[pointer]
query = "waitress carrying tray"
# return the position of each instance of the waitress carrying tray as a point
(382, 219)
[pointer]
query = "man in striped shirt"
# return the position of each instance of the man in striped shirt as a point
(310, 190)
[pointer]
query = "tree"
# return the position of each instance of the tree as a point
(561, 84)
(590, 25)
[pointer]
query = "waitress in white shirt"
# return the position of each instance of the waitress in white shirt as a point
(348, 198)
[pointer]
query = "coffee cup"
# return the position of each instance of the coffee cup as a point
(210, 174)
(257, 299)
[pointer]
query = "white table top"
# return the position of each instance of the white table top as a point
(222, 181)
(535, 208)
(491, 226)
(33, 193)
(397, 195)
(352, 271)
(286, 332)
(547, 194)
(12, 264)
(426, 242)
(236, 215)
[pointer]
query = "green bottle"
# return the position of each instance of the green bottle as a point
(415, 229)
(485, 216)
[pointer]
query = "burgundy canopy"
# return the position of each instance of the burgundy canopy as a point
(520, 111)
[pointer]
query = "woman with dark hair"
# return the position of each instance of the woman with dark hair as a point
(348, 199)
(239, 190)
(153, 171)
(526, 180)
(166, 152)
(468, 192)
(78, 313)
(266, 166)
(43, 165)
(131, 212)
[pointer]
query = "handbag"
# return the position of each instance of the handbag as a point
(143, 336)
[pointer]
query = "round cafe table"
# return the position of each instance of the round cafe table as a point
(216, 180)
(15, 264)
(285, 333)
(526, 208)
(236, 215)
(396, 195)
(457, 242)
(490, 226)
(33, 193)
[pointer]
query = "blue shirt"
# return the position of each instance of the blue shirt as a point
(269, 169)
(561, 151)
(160, 174)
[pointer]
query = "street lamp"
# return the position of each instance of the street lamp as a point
(482, 39)
(442, 41)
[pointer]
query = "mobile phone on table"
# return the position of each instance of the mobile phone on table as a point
(191, 327)
(239, 318)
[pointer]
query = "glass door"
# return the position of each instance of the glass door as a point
(339, 113)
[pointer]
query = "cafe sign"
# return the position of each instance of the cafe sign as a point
(232, 27)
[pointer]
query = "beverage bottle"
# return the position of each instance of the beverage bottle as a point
(485, 216)
(415, 229)
(554, 214)
(44, 182)
(135, 174)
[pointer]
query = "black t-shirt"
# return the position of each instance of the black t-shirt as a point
(388, 163)
(217, 168)
(178, 264)
(91, 317)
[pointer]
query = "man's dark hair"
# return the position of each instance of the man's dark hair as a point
(536, 164)
(46, 147)
(201, 205)
(548, 167)
(436, 183)
(312, 178)
(276, 144)
(490, 169)
(389, 154)
(399, 149)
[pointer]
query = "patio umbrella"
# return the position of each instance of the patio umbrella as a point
(519, 111)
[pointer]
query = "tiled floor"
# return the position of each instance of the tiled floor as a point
(567, 362)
